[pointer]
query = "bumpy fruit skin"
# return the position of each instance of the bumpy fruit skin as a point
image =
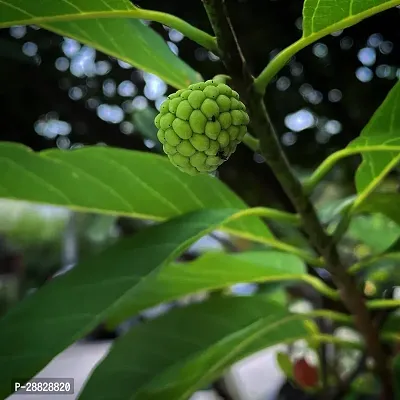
(305, 375)
(200, 127)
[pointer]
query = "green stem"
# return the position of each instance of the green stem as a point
(337, 340)
(261, 82)
(383, 303)
(360, 199)
(310, 183)
(276, 215)
(279, 245)
(357, 267)
(332, 315)
(318, 285)
(344, 223)
(321, 287)
(193, 33)
(391, 336)
(197, 35)
(351, 295)
(271, 241)
(251, 142)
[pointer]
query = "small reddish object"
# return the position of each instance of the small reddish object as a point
(305, 375)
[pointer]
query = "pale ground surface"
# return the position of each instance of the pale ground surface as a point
(255, 378)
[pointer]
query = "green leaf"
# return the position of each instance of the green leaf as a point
(209, 272)
(333, 209)
(385, 203)
(174, 355)
(366, 383)
(285, 364)
(68, 307)
(143, 121)
(133, 42)
(126, 39)
(116, 182)
(392, 324)
(382, 129)
(376, 231)
(24, 12)
(321, 17)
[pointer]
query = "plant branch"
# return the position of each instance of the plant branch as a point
(236, 66)
(350, 294)
(286, 54)
(251, 142)
(336, 340)
(343, 224)
(377, 304)
(271, 241)
(332, 315)
(391, 337)
(357, 267)
(276, 215)
(227, 43)
(320, 286)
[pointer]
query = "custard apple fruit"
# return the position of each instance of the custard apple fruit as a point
(200, 127)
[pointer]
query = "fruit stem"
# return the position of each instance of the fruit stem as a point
(251, 142)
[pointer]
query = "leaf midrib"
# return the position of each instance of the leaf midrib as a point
(247, 340)
(130, 12)
(349, 21)
(133, 13)
(176, 82)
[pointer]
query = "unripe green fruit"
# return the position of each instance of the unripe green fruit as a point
(200, 127)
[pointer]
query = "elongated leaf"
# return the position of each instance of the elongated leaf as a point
(383, 128)
(333, 209)
(117, 182)
(133, 42)
(209, 272)
(143, 121)
(328, 15)
(384, 203)
(285, 364)
(366, 384)
(126, 39)
(23, 12)
(172, 356)
(376, 231)
(68, 307)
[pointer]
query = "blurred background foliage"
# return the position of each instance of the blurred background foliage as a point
(57, 93)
